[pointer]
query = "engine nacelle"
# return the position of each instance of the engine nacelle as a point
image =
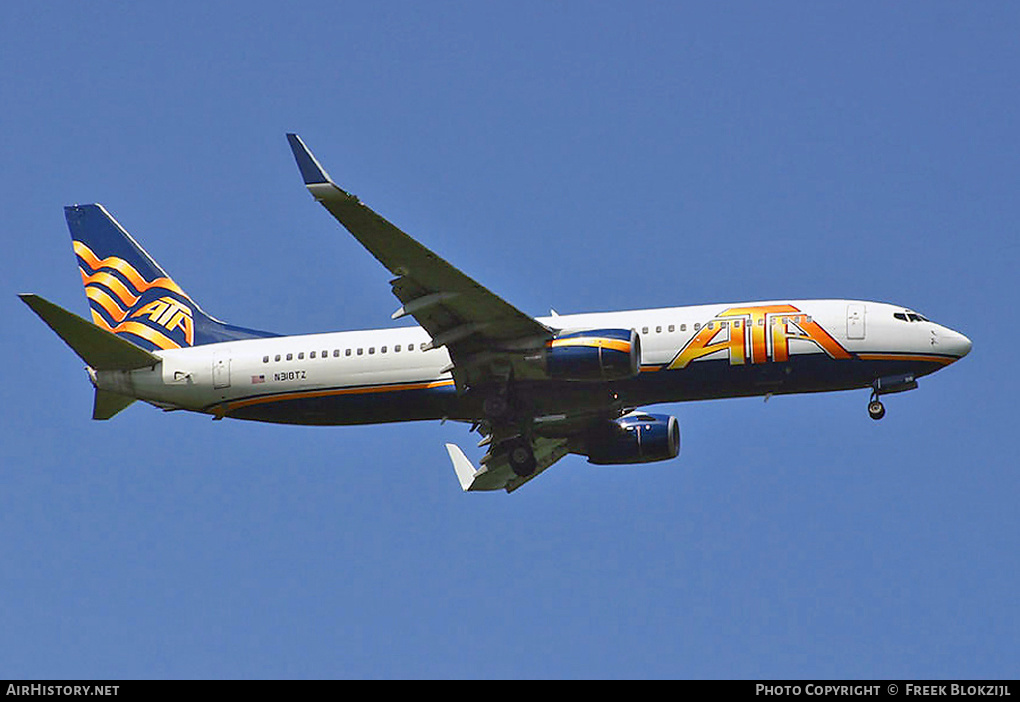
(635, 438)
(594, 354)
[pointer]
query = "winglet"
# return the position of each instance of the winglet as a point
(311, 171)
(465, 471)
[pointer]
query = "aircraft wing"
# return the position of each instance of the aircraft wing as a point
(456, 311)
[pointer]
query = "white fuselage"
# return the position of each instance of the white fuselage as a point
(384, 374)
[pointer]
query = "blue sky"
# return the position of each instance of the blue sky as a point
(578, 155)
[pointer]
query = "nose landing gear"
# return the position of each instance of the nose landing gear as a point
(885, 386)
(876, 410)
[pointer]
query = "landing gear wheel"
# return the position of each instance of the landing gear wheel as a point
(876, 410)
(522, 458)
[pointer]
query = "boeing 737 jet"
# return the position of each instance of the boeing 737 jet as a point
(535, 389)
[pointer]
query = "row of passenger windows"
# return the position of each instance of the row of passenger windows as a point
(736, 324)
(300, 355)
(401, 348)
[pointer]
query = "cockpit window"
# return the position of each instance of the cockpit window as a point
(910, 317)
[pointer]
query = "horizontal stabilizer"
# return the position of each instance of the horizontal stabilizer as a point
(100, 349)
(109, 403)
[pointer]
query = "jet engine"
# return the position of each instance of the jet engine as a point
(594, 355)
(634, 438)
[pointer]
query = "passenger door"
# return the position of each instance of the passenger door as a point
(221, 370)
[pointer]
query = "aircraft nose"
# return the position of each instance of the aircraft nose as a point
(956, 343)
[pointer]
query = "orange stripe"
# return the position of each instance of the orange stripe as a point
(343, 391)
(125, 269)
(905, 357)
(106, 302)
(110, 281)
(137, 329)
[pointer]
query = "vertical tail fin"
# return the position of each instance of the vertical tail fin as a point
(131, 295)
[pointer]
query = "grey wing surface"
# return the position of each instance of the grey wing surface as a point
(479, 329)
(454, 309)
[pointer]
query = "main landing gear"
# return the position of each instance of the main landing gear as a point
(502, 417)
(521, 457)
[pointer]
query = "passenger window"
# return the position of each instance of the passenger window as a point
(301, 355)
(277, 359)
(347, 352)
(336, 353)
(382, 350)
(683, 327)
(697, 326)
(396, 349)
(644, 330)
(290, 357)
(265, 359)
(371, 350)
(658, 330)
(672, 328)
(361, 352)
(311, 355)
(423, 346)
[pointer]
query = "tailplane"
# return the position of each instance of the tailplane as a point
(129, 293)
(100, 349)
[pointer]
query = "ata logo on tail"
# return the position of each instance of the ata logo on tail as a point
(757, 334)
(171, 314)
(122, 303)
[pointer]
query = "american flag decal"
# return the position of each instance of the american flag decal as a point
(255, 379)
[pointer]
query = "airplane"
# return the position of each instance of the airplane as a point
(534, 388)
